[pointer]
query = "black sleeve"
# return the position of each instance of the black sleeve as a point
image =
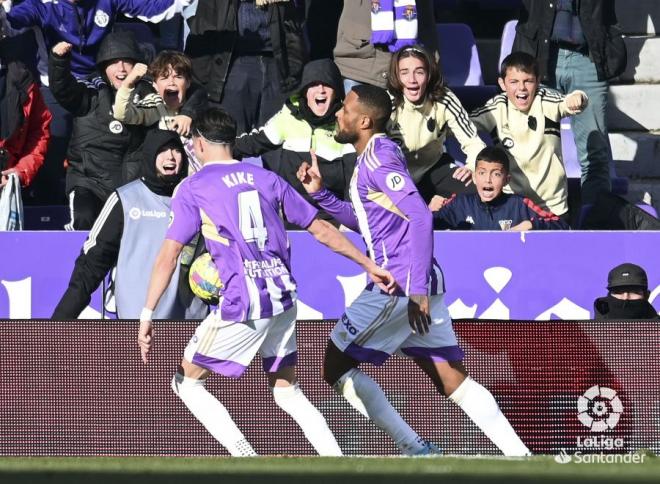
(97, 258)
(253, 144)
(72, 95)
(448, 217)
(196, 103)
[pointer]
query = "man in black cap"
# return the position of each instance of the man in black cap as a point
(628, 295)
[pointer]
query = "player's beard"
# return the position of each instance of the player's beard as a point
(344, 136)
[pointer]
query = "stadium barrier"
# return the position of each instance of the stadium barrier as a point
(80, 388)
(488, 275)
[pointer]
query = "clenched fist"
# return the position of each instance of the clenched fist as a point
(62, 48)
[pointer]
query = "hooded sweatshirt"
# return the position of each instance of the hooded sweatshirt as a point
(99, 144)
(295, 130)
(131, 228)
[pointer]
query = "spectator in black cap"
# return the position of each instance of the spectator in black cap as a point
(628, 295)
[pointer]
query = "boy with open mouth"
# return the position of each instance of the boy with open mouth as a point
(490, 208)
(525, 121)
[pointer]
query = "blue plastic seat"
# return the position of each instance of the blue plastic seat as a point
(459, 57)
(508, 36)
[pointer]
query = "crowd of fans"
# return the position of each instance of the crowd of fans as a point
(78, 96)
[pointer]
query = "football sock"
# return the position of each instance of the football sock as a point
(212, 415)
(480, 405)
(293, 401)
(366, 396)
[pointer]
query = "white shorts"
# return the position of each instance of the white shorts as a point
(227, 347)
(376, 326)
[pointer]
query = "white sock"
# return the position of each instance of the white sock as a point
(212, 414)
(366, 396)
(480, 405)
(293, 401)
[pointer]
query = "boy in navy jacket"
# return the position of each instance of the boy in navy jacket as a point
(490, 208)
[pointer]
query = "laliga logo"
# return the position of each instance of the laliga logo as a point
(134, 213)
(599, 408)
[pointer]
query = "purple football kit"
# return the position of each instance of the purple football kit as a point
(237, 207)
(396, 226)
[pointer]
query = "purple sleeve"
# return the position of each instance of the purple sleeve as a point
(342, 211)
(152, 11)
(421, 241)
(297, 210)
(185, 220)
(393, 180)
(25, 15)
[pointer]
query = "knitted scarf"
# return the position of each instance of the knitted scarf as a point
(261, 3)
(393, 23)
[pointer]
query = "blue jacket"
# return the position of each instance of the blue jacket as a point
(468, 212)
(85, 23)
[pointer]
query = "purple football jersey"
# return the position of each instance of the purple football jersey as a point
(380, 182)
(237, 206)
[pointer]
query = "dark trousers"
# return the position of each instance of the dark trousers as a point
(252, 95)
(439, 180)
(85, 206)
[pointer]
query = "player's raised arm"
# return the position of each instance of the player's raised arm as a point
(335, 240)
(311, 179)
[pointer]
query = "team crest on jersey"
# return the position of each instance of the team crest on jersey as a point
(395, 182)
(505, 224)
(469, 219)
(375, 6)
(101, 18)
(507, 143)
(115, 127)
(410, 13)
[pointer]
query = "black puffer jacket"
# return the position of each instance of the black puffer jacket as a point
(599, 24)
(100, 146)
(212, 38)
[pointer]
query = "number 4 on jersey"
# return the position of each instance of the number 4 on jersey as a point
(251, 220)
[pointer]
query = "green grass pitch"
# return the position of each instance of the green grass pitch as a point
(319, 470)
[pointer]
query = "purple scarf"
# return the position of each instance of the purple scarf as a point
(393, 23)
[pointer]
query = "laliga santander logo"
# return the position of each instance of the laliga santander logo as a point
(599, 408)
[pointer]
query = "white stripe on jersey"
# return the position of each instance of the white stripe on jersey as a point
(275, 294)
(385, 259)
(289, 285)
(370, 158)
(441, 280)
(100, 221)
(255, 299)
(361, 214)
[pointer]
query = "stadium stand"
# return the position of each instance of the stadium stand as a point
(458, 55)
